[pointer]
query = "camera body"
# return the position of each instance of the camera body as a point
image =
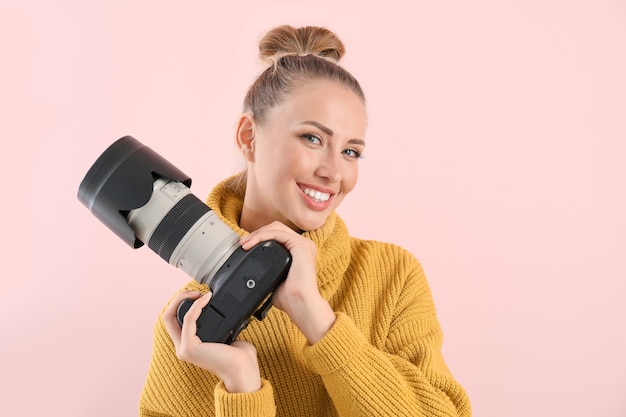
(238, 287)
(143, 198)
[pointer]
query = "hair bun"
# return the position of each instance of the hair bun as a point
(308, 40)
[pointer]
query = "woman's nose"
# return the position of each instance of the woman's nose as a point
(330, 168)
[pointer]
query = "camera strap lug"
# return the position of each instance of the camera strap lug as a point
(262, 312)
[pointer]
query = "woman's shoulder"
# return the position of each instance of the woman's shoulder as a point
(378, 245)
(387, 269)
(386, 252)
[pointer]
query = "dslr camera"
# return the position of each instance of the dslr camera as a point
(143, 199)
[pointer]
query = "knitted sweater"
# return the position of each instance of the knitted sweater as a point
(382, 357)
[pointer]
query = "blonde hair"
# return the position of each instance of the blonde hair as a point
(296, 56)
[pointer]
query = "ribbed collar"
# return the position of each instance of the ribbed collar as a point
(332, 239)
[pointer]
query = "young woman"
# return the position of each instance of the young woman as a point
(354, 330)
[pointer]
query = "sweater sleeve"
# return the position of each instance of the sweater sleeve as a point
(408, 377)
(254, 404)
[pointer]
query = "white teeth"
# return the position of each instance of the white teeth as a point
(316, 195)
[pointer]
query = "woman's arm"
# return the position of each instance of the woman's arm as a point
(406, 375)
(365, 381)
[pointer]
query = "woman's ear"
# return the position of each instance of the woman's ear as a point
(245, 136)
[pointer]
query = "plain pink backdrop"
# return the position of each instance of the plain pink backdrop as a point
(496, 152)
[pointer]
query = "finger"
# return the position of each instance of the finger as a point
(274, 231)
(189, 329)
(262, 233)
(169, 315)
(171, 309)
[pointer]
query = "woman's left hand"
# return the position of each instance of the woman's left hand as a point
(299, 295)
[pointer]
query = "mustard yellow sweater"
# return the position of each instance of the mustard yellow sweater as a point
(382, 357)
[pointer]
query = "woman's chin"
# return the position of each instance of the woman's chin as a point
(306, 225)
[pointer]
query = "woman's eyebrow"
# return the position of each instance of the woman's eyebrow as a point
(329, 131)
(318, 125)
(357, 142)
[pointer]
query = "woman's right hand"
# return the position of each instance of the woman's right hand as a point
(236, 364)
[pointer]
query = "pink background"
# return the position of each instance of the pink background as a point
(496, 154)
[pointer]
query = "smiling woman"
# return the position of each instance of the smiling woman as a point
(355, 331)
(310, 141)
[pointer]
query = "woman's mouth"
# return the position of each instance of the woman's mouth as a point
(317, 196)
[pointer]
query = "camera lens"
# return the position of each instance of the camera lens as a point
(143, 198)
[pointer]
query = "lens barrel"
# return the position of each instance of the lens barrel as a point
(176, 223)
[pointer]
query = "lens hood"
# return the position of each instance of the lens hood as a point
(121, 180)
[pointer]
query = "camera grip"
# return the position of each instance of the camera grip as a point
(241, 287)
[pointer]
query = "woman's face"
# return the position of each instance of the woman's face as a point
(303, 159)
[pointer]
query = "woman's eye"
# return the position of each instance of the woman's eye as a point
(311, 139)
(352, 153)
